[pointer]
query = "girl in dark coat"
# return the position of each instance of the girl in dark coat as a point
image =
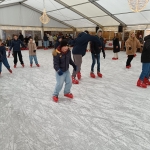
(116, 47)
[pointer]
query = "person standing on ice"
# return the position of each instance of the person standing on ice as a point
(95, 52)
(32, 52)
(116, 46)
(62, 59)
(145, 59)
(79, 50)
(132, 44)
(16, 50)
(3, 58)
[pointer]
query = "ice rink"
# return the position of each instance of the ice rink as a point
(106, 114)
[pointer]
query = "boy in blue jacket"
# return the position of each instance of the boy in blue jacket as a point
(16, 50)
(3, 58)
(62, 59)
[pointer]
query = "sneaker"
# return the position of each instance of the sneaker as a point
(74, 81)
(141, 84)
(99, 74)
(55, 99)
(92, 75)
(69, 95)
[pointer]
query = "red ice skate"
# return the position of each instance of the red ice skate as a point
(146, 81)
(79, 75)
(15, 65)
(99, 74)
(30, 65)
(69, 95)
(22, 65)
(55, 99)
(10, 70)
(128, 67)
(92, 75)
(37, 65)
(74, 81)
(141, 84)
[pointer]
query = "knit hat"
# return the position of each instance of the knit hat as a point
(63, 43)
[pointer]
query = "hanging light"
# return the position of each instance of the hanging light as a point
(44, 18)
(137, 5)
(2, 1)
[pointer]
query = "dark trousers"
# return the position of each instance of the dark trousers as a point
(130, 57)
(145, 71)
(36, 43)
(95, 57)
(19, 55)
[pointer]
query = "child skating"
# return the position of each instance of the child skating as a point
(62, 59)
(32, 53)
(3, 58)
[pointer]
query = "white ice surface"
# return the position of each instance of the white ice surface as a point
(106, 114)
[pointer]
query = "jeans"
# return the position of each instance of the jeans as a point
(78, 62)
(130, 57)
(19, 55)
(94, 59)
(6, 64)
(31, 59)
(60, 81)
(46, 44)
(145, 71)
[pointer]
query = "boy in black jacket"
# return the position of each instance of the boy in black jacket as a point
(3, 58)
(145, 59)
(62, 59)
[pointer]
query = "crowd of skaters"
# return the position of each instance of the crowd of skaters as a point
(62, 56)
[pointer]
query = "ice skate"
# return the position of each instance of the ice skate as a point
(79, 75)
(92, 75)
(55, 99)
(74, 81)
(37, 65)
(30, 65)
(69, 95)
(10, 70)
(146, 81)
(22, 65)
(99, 74)
(15, 65)
(141, 84)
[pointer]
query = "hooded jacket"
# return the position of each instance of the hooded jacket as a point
(80, 43)
(145, 57)
(132, 44)
(62, 60)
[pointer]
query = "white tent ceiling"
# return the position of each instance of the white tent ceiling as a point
(89, 13)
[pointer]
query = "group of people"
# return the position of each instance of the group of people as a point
(62, 57)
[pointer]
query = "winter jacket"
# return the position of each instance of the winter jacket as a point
(81, 42)
(62, 60)
(32, 47)
(8, 42)
(16, 45)
(21, 37)
(36, 38)
(132, 44)
(45, 38)
(145, 57)
(115, 44)
(95, 47)
(2, 53)
(57, 43)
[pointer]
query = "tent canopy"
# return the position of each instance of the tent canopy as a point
(88, 13)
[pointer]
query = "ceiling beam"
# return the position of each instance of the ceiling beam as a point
(30, 7)
(107, 12)
(77, 12)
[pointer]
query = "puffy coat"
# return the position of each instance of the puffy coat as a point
(132, 43)
(145, 56)
(115, 44)
(62, 60)
(81, 42)
(16, 45)
(2, 53)
(32, 47)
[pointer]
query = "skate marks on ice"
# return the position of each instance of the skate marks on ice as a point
(108, 114)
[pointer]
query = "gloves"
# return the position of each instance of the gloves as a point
(34, 51)
(75, 68)
(60, 72)
(104, 55)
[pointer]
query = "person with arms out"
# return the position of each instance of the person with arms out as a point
(17, 51)
(132, 44)
(3, 58)
(145, 59)
(116, 46)
(62, 59)
(32, 52)
(95, 52)
(79, 50)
